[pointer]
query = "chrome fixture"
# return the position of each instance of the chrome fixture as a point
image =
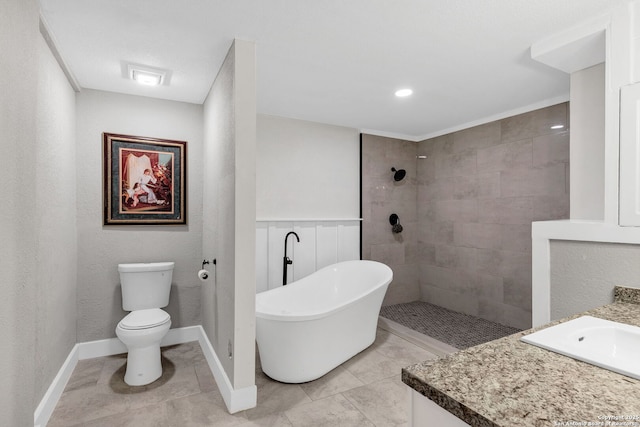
(398, 174)
(286, 261)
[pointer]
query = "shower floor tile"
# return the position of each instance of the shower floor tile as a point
(450, 327)
(364, 391)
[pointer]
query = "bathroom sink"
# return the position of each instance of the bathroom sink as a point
(610, 345)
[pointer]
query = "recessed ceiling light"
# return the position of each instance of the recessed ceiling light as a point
(557, 126)
(146, 75)
(401, 93)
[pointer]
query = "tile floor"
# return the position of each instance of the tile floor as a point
(456, 329)
(364, 391)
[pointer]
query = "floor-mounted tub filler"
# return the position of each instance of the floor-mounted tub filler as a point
(312, 325)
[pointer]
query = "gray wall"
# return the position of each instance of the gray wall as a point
(37, 221)
(102, 248)
(55, 200)
(230, 214)
(382, 196)
(19, 66)
(478, 192)
(583, 274)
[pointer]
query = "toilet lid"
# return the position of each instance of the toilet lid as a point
(144, 319)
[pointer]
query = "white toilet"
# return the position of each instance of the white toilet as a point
(145, 288)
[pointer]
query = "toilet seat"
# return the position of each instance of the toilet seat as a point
(144, 319)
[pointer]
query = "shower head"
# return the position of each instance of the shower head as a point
(398, 174)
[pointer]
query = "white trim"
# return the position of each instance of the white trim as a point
(629, 184)
(576, 48)
(235, 400)
(499, 116)
(48, 403)
(111, 346)
(182, 335)
(543, 232)
(100, 348)
(405, 137)
(506, 114)
(53, 46)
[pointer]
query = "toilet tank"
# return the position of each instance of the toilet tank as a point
(145, 285)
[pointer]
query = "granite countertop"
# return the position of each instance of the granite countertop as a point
(507, 382)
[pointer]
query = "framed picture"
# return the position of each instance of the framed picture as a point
(144, 180)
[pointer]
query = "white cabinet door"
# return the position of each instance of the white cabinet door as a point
(425, 413)
(630, 155)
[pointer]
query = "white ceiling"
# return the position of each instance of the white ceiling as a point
(331, 61)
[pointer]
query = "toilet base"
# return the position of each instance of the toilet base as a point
(144, 365)
(143, 347)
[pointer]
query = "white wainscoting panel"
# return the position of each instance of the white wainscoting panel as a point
(327, 240)
(322, 242)
(304, 253)
(348, 241)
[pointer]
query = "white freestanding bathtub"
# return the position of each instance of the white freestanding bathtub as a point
(310, 326)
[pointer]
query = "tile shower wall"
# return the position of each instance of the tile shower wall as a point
(478, 191)
(382, 196)
(466, 211)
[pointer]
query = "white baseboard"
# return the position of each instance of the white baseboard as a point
(48, 403)
(100, 348)
(235, 400)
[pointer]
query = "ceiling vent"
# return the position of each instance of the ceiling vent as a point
(147, 76)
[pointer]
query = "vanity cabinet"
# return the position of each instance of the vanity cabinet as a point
(425, 413)
(630, 155)
(507, 382)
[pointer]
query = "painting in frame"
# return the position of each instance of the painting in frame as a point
(144, 180)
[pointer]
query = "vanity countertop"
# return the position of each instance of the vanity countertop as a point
(507, 382)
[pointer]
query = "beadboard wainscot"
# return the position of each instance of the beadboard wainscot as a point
(323, 241)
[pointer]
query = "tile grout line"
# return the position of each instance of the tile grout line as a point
(358, 409)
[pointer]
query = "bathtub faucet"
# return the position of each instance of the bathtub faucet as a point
(286, 260)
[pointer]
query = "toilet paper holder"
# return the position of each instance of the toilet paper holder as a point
(204, 274)
(205, 262)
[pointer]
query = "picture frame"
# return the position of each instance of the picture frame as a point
(144, 180)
